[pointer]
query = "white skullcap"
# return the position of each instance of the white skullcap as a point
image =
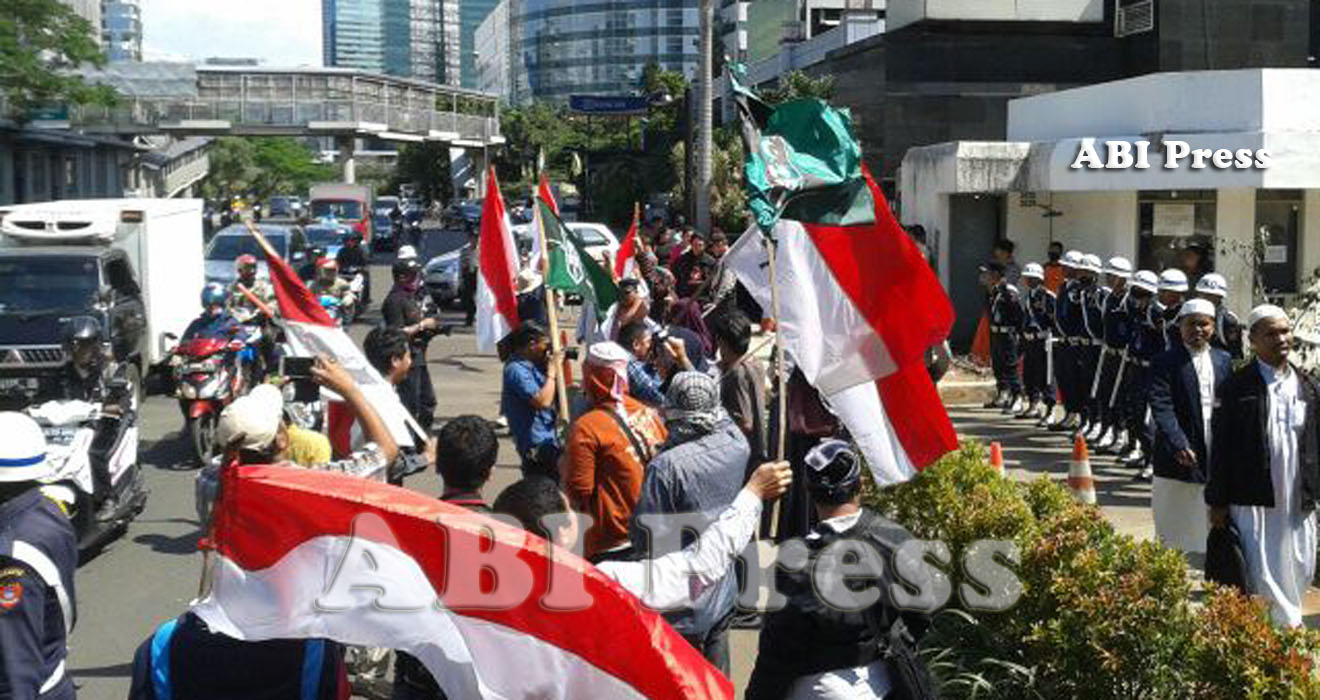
(1196, 306)
(251, 421)
(1263, 312)
(607, 354)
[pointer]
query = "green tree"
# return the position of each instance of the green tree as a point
(796, 85)
(232, 166)
(425, 165)
(262, 166)
(41, 41)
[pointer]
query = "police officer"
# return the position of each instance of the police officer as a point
(1092, 301)
(1172, 291)
(38, 554)
(1037, 326)
(1148, 340)
(1070, 330)
(1005, 321)
(1228, 329)
(824, 644)
(1114, 339)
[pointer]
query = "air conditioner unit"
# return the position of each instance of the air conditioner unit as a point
(1134, 17)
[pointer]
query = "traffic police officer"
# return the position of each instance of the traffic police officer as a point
(38, 554)
(1228, 329)
(1148, 340)
(1172, 292)
(1005, 320)
(1068, 312)
(1037, 325)
(1093, 295)
(1117, 333)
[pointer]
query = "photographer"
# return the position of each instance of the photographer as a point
(402, 312)
(527, 399)
(645, 383)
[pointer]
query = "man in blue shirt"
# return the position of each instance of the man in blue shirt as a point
(528, 399)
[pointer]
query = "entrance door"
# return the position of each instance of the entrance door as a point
(975, 223)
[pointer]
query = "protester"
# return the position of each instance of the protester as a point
(388, 352)
(700, 469)
(401, 310)
(1265, 468)
(606, 450)
(809, 422)
(632, 305)
(742, 383)
(688, 268)
(531, 297)
(661, 282)
(668, 581)
(527, 399)
(644, 381)
(1184, 381)
(38, 555)
(812, 649)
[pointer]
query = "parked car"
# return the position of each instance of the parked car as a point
(598, 239)
(443, 281)
(229, 243)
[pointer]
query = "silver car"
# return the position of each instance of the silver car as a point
(443, 277)
(233, 241)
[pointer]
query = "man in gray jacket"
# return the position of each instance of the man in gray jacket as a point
(699, 472)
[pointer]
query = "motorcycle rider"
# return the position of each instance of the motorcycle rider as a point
(87, 376)
(328, 283)
(239, 304)
(216, 320)
(38, 554)
(352, 259)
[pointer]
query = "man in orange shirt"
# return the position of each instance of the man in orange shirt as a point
(1054, 268)
(606, 451)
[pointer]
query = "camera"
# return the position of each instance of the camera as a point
(571, 353)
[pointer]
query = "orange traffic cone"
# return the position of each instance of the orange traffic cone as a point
(1080, 480)
(997, 457)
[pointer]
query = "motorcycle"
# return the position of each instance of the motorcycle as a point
(337, 311)
(357, 283)
(71, 429)
(209, 373)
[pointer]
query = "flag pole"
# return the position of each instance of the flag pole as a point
(781, 378)
(552, 318)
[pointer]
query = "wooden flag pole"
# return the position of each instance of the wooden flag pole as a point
(552, 318)
(781, 378)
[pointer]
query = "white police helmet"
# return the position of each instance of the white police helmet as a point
(1214, 284)
(1119, 267)
(1145, 279)
(1091, 263)
(1173, 281)
(1072, 259)
(23, 451)
(1033, 270)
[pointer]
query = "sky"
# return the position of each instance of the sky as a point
(280, 32)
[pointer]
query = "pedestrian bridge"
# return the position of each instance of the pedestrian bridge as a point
(184, 99)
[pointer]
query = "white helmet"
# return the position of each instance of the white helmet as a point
(1173, 281)
(1214, 284)
(23, 450)
(1145, 279)
(1119, 267)
(1072, 259)
(1034, 270)
(1091, 263)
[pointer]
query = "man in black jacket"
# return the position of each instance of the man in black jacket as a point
(1182, 395)
(1265, 465)
(821, 644)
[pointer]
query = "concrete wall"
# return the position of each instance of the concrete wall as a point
(904, 12)
(1235, 213)
(1104, 223)
(1242, 33)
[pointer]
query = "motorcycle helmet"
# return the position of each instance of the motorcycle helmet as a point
(82, 340)
(246, 265)
(23, 451)
(213, 295)
(327, 270)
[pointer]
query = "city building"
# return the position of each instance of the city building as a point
(89, 10)
(967, 194)
(404, 38)
(561, 48)
(472, 14)
(493, 53)
(121, 29)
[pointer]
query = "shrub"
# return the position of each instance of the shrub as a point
(1101, 615)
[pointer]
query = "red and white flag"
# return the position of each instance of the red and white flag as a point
(859, 307)
(310, 332)
(625, 262)
(544, 194)
(497, 300)
(491, 610)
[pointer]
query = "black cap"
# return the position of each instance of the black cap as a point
(993, 266)
(404, 267)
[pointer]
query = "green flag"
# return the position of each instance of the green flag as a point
(572, 269)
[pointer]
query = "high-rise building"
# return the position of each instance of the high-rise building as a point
(561, 47)
(472, 13)
(406, 38)
(89, 10)
(121, 29)
(492, 53)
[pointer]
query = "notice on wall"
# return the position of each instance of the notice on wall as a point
(1276, 254)
(1175, 219)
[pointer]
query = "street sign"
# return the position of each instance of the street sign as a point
(607, 105)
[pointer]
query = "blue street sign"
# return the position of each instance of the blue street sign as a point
(617, 105)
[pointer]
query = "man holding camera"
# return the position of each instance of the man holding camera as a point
(527, 399)
(403, 312)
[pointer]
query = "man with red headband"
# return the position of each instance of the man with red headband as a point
(605, 453)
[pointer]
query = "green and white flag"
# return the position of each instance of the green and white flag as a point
(572, 268)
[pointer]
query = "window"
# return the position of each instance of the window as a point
(1171, 221)
(1278, 217)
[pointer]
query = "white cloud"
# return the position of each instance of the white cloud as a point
(280, 32)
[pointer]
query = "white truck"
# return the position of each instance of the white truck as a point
(135, 265)
(351, 205)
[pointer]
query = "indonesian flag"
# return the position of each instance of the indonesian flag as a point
(543, 194)
(858, 309)
(491, 610)
(310, 332)
(497, 302)
(625, 261)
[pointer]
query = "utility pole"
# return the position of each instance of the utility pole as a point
(705, 95)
